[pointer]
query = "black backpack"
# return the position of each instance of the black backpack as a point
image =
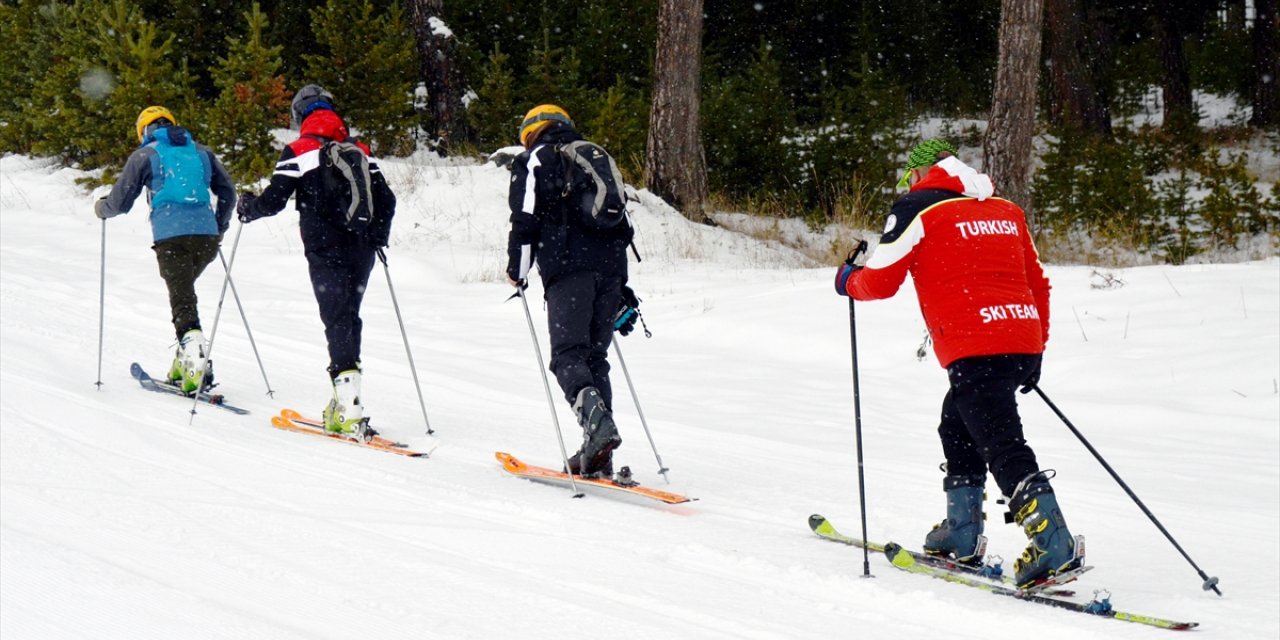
(593, 184)
(346, 183)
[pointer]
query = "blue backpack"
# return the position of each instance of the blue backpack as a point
(186, 172)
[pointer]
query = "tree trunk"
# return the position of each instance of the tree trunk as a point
(1012, 125)
(1179, 110)
(1266, 64)
(1076, 99)
(675, 164)
(439, 70)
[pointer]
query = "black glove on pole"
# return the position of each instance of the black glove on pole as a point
(857, 415)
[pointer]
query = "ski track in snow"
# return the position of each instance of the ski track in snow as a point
(123, 515)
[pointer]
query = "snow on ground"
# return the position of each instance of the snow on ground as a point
(121, 515)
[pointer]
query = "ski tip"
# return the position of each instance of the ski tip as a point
(898, 556)
(509, 462)
(816, 521)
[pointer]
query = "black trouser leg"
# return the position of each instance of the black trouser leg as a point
(580, 310)
(182, 260)
(339, 278)
(982, 404)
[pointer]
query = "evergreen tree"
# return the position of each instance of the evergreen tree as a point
(493, 113)
(109, 64)
(621, 125)
(554, 77)
(252, 100)
(857, 141)
(60, 112)
(747, 120)
(200, 31)
(27, 45)
(367, 61)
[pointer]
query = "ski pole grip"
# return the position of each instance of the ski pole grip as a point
(857, 252)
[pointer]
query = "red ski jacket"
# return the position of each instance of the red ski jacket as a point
(978, 277)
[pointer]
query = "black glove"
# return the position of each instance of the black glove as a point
(845, 272)
(628, 312)
(244, 208)
(1032, 380)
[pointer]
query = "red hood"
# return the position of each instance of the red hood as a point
(952, 175)
(326, 123)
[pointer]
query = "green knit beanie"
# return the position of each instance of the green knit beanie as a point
(925, 154)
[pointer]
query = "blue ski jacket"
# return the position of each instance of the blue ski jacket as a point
(178, 174)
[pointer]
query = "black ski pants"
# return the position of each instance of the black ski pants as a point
(580, 309)
(182, 259)
(980, 428)
(339, 276)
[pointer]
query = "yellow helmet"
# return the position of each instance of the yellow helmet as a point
(151, 114)
(539, 118)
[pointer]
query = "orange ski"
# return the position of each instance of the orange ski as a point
(542, 474)
(290, 420)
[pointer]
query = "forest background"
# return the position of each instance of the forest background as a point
(807, 107)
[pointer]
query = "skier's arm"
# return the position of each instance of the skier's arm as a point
(887, 267)
(1036, 279)
(384, 205)
(135, 175)
(222, 187)
(283, 182)
(522, 197)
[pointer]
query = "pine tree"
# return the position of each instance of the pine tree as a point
(109, 64)
(252, 100)
(367, 62)
(61, 111)
(493, 113)
(28, 46)
(621, 125)
(553, 76)
(746, 119)
(145, 74)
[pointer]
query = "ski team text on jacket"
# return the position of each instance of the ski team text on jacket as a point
(978, 277)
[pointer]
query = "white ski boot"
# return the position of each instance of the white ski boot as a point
(345, 413)
(189, 364)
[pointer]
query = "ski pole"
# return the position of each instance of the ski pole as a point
(555, 421)
(208, 354)
(270, 392)
(857, 415)
(662, 469)
(1209, 582)
(412, 368)
(102, 300)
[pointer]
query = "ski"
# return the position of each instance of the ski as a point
(164, 386)
(1099, 606)
(993, 571)
(621, 483)
(290, 420)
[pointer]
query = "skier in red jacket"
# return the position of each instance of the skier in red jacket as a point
(985, 301)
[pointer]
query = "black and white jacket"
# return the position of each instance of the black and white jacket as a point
(545, 228)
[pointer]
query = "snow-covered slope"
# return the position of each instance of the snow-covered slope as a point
(123, 516)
